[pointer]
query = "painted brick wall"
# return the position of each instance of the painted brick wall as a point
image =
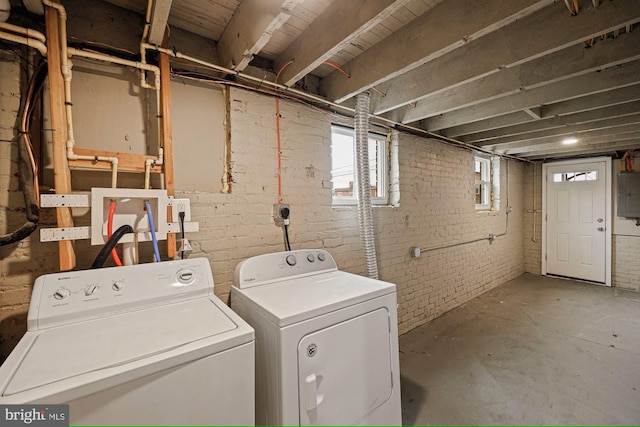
(626, 268)
(436, 207)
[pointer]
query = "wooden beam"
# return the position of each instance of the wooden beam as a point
(62, 175)
(127, 162)
(535, 113)
(521, 41)
(498, 122)
(167, 135)
(327, 35)
(561, 65)
(588, 103)
(445, 27)
(593, 147)
(250, 29)
(607, 126)
(611, 78)
(591, 150)
(524, 129)
(159, 19)
(572, 106)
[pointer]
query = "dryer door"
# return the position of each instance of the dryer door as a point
(345, 370)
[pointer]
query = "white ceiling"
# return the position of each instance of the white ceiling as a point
(511, 76)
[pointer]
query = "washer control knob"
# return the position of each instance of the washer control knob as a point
(291, 260)
(117, 286)
(186, 277)
(321, 257)
(61, 293)
(91, 289)
(311, 258)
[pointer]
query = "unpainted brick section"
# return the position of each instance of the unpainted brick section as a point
(533, 238)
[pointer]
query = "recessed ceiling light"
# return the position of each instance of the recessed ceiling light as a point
(570, 140)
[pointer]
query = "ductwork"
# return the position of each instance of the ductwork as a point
(365, 215)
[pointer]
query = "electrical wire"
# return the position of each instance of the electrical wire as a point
(280, 198)
(27, 167)
(287, 243)
(181, 215)
(112, 211)
(111, 243)
(338, 67)
(156, 251)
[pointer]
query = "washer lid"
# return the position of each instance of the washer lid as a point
(290, 301)
(69, 351)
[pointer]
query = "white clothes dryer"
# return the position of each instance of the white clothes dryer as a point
(326, 341)
(148, 344)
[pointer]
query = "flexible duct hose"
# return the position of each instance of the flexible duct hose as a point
(365, 217)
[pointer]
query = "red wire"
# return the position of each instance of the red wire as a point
(337, 67)
(112, 211)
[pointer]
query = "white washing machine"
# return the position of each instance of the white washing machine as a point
(147, 344)
(326, 341)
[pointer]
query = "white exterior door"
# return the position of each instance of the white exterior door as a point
(345, 370)
(577, 220)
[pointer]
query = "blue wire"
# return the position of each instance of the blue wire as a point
(153, 231)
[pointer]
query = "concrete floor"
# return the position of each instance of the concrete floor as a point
(532, 351)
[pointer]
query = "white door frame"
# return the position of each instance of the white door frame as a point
(608, 210)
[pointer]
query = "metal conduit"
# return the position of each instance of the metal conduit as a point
(365, 216)
(416, 251)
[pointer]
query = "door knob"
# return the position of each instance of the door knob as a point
(600, 228)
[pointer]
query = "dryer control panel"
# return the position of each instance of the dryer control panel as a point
(263, 269)
(73, 296)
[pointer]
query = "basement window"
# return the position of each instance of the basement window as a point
(487, 183)
(343, 167)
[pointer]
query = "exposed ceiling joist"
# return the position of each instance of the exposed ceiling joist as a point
(554, 29)
(563, 64)
(500, 74)
(594, 101)
(524, 129)
(573, 106)
(608, 126)
(425, 39)
(491, 123)
(252, 26)
(159, 19)
(327, 35)
(611, 78)
(606, 136)
(607, 148)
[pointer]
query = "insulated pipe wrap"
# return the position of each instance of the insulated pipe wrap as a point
(365, 217)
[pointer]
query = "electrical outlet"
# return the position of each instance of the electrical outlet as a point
(180, 205)
(277, 211)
